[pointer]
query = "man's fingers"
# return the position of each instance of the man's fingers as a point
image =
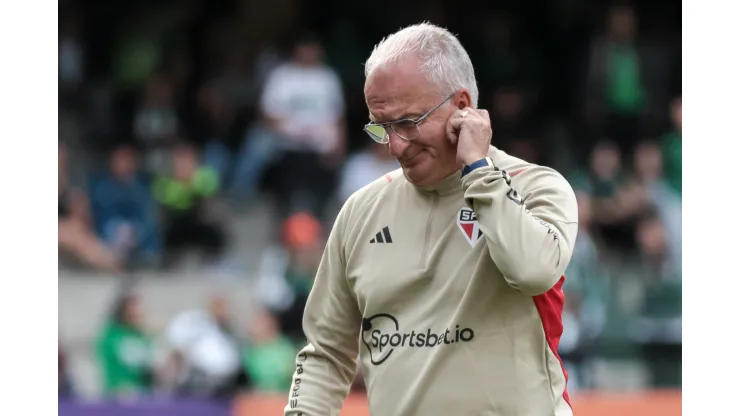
(459, 117)
(453, 128)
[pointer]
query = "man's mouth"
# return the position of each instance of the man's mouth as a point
(409, 160)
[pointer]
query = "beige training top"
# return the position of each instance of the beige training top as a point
(450, 296)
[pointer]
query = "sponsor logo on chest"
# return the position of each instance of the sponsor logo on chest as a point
(467, 222)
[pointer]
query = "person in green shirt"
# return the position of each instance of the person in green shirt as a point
(186, 196)
(269, 359)
(125, 351)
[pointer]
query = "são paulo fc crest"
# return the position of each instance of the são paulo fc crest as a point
(467, 222)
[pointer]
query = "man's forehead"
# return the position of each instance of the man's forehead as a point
(397, 78)
(398, 88)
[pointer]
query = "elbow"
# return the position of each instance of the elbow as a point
(534, 284)
(537, 277)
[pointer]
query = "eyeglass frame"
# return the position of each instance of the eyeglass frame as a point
(417, 123)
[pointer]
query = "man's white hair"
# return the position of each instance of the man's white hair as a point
(443, 58)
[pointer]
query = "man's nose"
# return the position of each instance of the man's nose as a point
(396, 145)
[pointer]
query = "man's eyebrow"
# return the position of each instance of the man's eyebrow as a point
(405, 116)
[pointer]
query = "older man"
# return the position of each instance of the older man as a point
(444, 276)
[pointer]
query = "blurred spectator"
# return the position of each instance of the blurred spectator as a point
(186, 196)
(658, 330)
(618, 80)
(204, 358)
(125, 351)
(364, 167)
(601, 181)
(270, 357)
(302, 130)
(64, 384)
(658, 195)
(156, 122)
(123, 207)
(671, 144)
(287, 273)
(75, 232)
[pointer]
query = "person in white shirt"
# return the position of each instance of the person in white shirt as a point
(204, 352)
(302, 127)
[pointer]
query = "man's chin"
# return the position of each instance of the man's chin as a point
(418, 174)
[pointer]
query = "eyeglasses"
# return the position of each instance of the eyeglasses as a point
(407, 129)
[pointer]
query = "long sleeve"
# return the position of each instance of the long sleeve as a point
(529, 222)
(325, 368)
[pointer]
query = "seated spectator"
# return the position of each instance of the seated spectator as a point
(204, 358)
(75, 233)
(287, 273)
(123, 207)
(364, 167)
(617, 201)
(186, 197)
(658, 330)
(125, 352)
(655, 192)
(302, 129)
(269, 358)
(602, 176)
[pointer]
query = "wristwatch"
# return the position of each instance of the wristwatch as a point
(486, 161)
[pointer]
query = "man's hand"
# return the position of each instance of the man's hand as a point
(471, 130)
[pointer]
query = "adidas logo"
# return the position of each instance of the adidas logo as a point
(383, 236)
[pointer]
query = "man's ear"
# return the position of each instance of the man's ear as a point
(463, 99)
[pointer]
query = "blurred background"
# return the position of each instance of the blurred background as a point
(206, 146)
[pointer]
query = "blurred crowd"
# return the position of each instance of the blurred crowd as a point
(178, 116)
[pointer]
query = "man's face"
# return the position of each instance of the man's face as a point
(648, 162)
(605, 161)
(308, 53)
(622, 23)
(123, 163)
(185, 163)
(401, 91)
